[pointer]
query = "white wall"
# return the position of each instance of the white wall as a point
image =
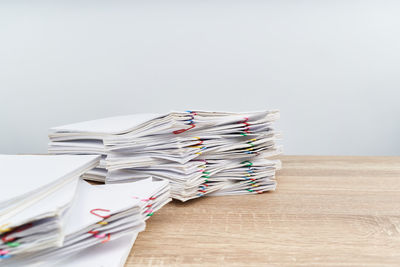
(331, 67)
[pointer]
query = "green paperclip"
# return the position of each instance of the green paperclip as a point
(13, 244)
(248, 163)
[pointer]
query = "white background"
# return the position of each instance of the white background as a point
(331, 67)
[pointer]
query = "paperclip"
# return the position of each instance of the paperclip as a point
(248, 163)
(184, 130)
(5, 240)
(101, 216)
(245, 120)
(103, 223)
(13, 244)
(191, 112)
(4, 229)
(100, 236)
(3, 252)
(107, 239)
(199, 143)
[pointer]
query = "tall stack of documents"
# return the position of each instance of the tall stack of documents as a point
(48, 213)
(199, 152)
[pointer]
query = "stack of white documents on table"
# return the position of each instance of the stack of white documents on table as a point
(49, 214)
(37, 192)
(199, 152)
(101, 214)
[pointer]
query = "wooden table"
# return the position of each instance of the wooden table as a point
(327, 211)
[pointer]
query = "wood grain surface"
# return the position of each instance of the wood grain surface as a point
(327, 211)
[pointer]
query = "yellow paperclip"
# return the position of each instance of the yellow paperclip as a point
(4, 229)
(252, 140)
(102, 223)
(198, 153)
(249, 149)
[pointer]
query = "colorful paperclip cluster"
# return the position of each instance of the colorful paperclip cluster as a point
(149, 212)
(103, 222)
(249, 174)
(189, 122)
(247, 126)
(11, 242)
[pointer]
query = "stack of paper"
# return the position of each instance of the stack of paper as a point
(198, 152)
(101, 214)
(37, 192)
(110, 254)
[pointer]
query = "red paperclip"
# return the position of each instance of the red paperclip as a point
(245, 120)
(5, 240)
(200, 143)
(184, 130)
(101, 216)
(93, 232)
(106, 240)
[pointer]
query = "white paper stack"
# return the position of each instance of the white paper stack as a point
(110, 254)
(37, 192)
(199, 152)
(101, 214)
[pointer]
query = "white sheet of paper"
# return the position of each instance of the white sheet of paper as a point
(23, 174)
(112, 125)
